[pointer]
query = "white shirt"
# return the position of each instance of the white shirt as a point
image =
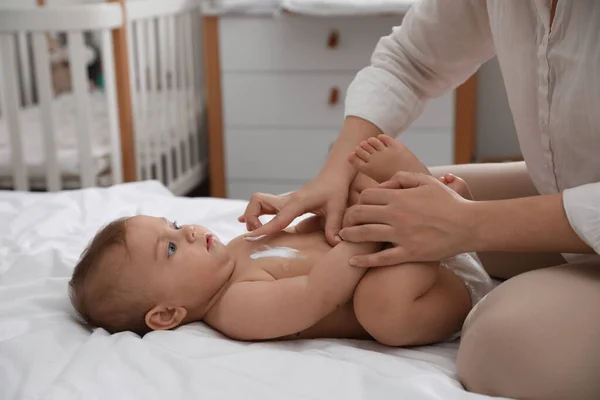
(552, 80)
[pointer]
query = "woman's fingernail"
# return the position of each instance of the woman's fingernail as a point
(338, 238)
(354, 262)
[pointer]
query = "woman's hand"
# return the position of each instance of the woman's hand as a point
(324, 196)
(424, 219)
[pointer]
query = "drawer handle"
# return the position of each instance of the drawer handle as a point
(334, 38)
(334, 96)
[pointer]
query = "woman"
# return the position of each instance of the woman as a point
(537, 336)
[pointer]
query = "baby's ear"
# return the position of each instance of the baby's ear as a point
(165, 317)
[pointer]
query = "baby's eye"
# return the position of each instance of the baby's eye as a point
(171, 250)
(175, 226)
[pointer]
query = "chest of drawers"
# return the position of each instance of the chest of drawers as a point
(276, 89)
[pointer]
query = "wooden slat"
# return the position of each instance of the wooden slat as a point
(135, 106)
(165, 129)
(154, 128)
(143, 127)
(198, 84)
(183, 104)
(76, 48)
(175, 105)
(25, 64)
(9, 96)
(45, 95)
(108, 69)
(191, 93)
(121, 58)
(212, 73)
(465, 130)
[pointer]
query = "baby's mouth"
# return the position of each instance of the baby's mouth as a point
(208, 240)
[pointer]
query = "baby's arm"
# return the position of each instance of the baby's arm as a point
(269, 310)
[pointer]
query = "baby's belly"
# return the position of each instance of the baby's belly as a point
(340, 324)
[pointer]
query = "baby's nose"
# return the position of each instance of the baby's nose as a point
(190, 234)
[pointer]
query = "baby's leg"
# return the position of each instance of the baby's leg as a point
(381, 157)
(411, 304)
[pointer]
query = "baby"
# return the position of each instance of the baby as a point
(144, 273)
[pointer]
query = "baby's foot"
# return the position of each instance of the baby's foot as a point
(380, 158)
(458, 185)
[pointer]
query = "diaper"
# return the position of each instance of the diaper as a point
(468, 268)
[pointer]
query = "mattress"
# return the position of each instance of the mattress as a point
(46, 354)
(310, 7)
(66, 128)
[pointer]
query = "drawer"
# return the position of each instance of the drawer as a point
(303, 100)
(298, 155)
(276, 154)
(434, 147)
(242, 189)
(296, 43)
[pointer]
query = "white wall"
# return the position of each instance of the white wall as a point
(496, 135)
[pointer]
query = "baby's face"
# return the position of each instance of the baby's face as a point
(179, 265)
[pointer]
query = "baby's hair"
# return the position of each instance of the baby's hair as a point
(94, 288)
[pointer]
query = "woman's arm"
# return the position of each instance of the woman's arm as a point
(532, 224)
(439, 45)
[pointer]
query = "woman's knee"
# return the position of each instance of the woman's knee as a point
(536, 336)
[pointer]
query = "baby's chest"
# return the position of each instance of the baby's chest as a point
(281, 256)
(278, 260)
(277, 267)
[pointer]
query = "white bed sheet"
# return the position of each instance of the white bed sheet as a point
(161, 115)
(46, 354)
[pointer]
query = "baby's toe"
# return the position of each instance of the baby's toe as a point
(362, 154)
(356, 161)
(387, 140)
(376, 143)
(368, 147)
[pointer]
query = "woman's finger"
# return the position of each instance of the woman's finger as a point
(368, 233)
(366, 214)
(407, 180)
(281, 221)
(384, 258)
(333, 223)
(375, 196)
(260, 204)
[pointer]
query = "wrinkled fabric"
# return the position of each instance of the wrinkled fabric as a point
(46, 354)
(552, 79)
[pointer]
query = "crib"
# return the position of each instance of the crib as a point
(146, 121)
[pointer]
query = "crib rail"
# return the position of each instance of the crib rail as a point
(164, 52)
(16, 25)
(77, 17)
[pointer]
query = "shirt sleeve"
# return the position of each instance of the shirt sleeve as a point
(582, 206)
(438, 46)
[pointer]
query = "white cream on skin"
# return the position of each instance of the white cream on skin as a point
(281, 252)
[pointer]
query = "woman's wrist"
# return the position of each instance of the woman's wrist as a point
(528, 224)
